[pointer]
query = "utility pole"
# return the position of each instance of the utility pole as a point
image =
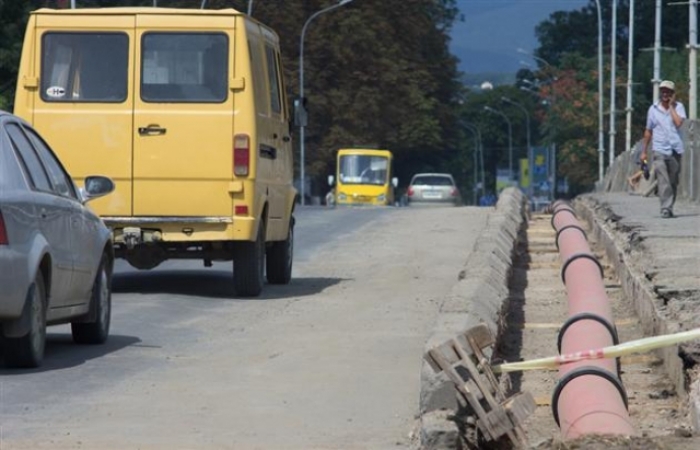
(693, 65)
(613, 61)
(601, 138)
(692, 57)
(630, 51)
(657, 52)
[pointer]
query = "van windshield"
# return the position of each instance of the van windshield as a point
(363, 169)
(184, 67)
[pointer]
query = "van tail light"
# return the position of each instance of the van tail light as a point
(241, 155)
(454, 192)
(410, 192)
(3, 232)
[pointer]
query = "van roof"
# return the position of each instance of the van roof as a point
(139, 10)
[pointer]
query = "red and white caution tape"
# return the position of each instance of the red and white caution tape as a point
(614, 351)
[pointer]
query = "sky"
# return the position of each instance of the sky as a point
(492, 31)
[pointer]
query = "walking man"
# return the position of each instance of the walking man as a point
(664, 120)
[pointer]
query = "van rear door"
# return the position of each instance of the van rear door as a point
(183, 116)
(84, 105)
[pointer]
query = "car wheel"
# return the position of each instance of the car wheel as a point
(96, 330)
(280, 257)
(249, 265)
(28, 351)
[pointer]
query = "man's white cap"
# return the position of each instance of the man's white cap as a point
(668, 85)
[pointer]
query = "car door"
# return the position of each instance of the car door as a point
(282, 162)
(83, 225)
(55, 213)
(85, 74)
(183, 139)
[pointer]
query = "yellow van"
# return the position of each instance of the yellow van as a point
(364, 177)
(186, 111)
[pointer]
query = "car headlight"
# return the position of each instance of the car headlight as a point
(342, 197)
(381, 197)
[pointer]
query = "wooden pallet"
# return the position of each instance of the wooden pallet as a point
(463, 361)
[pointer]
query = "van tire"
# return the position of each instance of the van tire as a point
(280, 258)
(249, 265)
(96, 331)
(28, 351)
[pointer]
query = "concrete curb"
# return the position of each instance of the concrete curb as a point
(478, 297)
(645, 300)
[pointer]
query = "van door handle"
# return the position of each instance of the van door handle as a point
(151, 130)
(286, 139)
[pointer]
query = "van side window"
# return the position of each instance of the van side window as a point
(257, 65)
(84, 67)
(184, 67)
(273, 77)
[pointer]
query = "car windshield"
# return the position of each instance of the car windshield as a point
(363, 169)
(432, 181)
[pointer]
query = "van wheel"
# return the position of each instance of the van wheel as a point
(97, 330)
(28, 351)
(249, 266)
(279, 258)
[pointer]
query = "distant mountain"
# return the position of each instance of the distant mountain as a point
(490, 34)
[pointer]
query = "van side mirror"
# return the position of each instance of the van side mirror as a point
(331, 179)
(300, 114)
(395, 182)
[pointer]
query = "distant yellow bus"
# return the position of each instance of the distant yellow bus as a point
(364, 177)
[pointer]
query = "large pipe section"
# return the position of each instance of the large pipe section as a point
(589, 397)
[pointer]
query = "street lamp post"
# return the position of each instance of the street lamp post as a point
(601, 137)
(480, 151)
(527, 123)
(613, 59)
(475, 162)
(302, 125)
(510, 139)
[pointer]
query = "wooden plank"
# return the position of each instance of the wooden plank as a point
(474, 403)
(481, 335)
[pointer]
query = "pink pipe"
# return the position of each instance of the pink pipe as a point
(589, 398)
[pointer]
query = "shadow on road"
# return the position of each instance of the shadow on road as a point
(62, 353)
(217, 284)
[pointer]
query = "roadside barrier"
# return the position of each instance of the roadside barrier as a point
(589, 397)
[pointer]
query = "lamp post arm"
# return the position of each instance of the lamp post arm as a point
(301, 41)
(302, 145)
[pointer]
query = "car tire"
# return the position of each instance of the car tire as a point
(28, 351)
(249, 265)
(96, 330)
(280, 258)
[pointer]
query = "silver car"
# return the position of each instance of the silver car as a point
(56, 255)
(433, 189)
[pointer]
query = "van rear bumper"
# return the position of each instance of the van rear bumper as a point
(113, 221)
(155, 229)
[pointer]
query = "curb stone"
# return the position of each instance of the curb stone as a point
(478, 297)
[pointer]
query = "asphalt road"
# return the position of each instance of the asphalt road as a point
(330, 361)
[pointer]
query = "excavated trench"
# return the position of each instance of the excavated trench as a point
(536, 308)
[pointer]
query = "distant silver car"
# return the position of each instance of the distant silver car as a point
(433, 189)
(56, 255)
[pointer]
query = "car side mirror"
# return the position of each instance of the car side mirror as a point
(331, 180)
(395, 182)
(96, 186)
